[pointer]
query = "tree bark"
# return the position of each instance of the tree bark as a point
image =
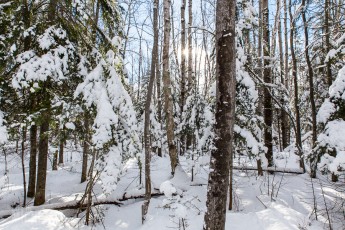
(190, 47)
(296, 102)
(32, 163)
(268, 112)
(183, 70)
(311, 85)
(218, 181)
(260, 89)
(42, 159)
(23, 163)
(55, 160)
(85, 147)
(61, 146)
(168, 106)
(191, 80)
(285, 135)
(159, 99)
(147, 143)
(328, 44)
(284, 118)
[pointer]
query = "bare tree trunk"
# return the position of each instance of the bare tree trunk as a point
(159, 102)
(260, 90)
(183, 69)
(61, 146)
(168, 106)
(268, 112)
(296, 102)
(190, 47)
(159, 96)
(42, 159)
(328, 44)
(85, 147)
(191, 80)
(286, 135)
(311, 85)
(23, 164)
(32, 163)
(55, 160)
(284, 118)
(154, 63)
(225, 116)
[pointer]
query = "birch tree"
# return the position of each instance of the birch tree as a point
(168, 106)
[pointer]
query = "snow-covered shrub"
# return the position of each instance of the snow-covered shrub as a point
(115, 125)
(331, 141)
(248, 125)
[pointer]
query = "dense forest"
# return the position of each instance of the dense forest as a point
(183, 114)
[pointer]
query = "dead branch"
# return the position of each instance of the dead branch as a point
(269, 169)
(73, 205)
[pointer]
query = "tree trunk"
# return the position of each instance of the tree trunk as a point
(61, 146)
(225, 116)
(159, 100)
(296, 102)
(42, 159)
(284, 124)
(23, 164)
(168, 106)
(190, 47)
(147, 143)
(183, 70)
(268, 112)
(286, 135)
(55, 160)
(191, 80)
(328, 44)
(311, 85)
(260, 89)
(85, 148)
(32, 163)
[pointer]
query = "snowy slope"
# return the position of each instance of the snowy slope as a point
(290, 206)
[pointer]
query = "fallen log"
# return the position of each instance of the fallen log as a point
(75, 204)
(269, 169)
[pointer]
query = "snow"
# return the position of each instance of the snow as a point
(331, 141)
(43, 219)
(251, 141)
(334, 135)
(325, 111)
(291, 207)
(70, 125)
(337, 89)
(333, 138)
(52, 61)
(167, 188)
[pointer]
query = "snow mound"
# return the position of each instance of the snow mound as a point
(167, 188)
(43, 219)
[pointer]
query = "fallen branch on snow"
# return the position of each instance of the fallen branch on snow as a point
(72, 205)
(269, 169)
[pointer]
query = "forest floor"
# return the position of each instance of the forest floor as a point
(258, 205)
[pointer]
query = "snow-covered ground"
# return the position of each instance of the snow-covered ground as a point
(182, 206)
